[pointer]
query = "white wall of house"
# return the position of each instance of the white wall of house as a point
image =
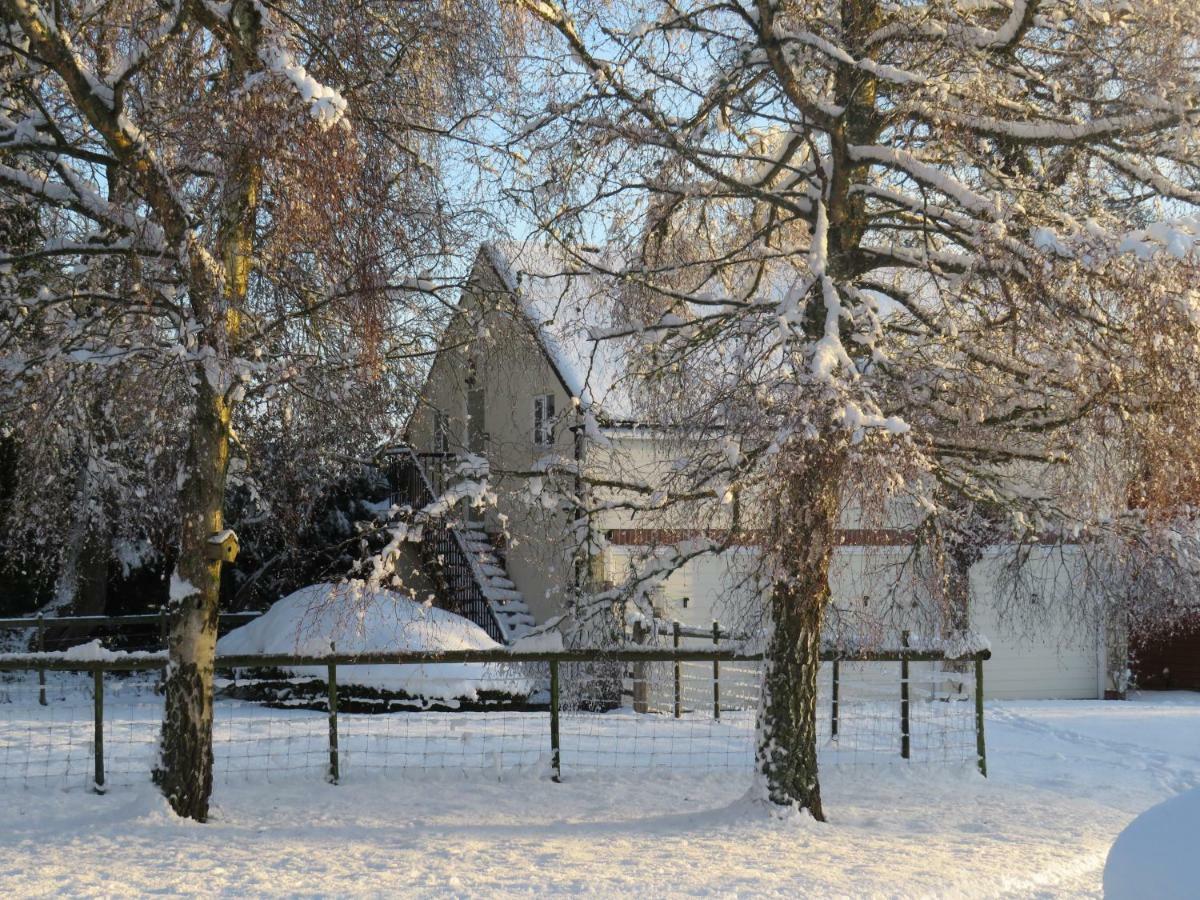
(1051, 656)
(510, 369)
(1046, 653)
(1049, 651)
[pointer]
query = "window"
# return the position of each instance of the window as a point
(441, 432)
(543, 420)
(476, 410)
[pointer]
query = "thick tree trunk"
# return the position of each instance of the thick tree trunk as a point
(805, 532)
(184, 772)
(185, 769)
(959, 561)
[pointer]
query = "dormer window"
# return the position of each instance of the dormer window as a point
(543, 420)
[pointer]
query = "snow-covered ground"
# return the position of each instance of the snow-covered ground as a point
(1065, 778)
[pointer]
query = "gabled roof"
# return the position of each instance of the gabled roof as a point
(568, 306)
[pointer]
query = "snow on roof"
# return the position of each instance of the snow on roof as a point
(569, 305)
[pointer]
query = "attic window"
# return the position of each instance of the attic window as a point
(543, 420)
(441, 432)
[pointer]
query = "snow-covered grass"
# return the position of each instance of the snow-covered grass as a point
(51, 745)
(1065, 778)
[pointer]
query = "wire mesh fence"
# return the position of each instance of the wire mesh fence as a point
(559, 713)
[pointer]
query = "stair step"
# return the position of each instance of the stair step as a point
(502, 594)
(501, 582)
(515, 609)
(510, 621)
(492, 570)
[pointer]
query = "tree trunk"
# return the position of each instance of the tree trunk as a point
(184, 772)
(185, 769)
(959, 561)
(805, 531)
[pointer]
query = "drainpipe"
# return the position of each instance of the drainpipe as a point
(582, 554)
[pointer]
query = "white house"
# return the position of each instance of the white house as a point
(520, 380)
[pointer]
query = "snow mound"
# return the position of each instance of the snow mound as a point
(1155, 856)
(546, 641)
(356, 619)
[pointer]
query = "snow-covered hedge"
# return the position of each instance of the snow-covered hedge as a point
(357, 619)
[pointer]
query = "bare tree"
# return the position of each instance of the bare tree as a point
(914, 242)
(240, 200)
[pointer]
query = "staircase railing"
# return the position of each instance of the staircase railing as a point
(443, 546)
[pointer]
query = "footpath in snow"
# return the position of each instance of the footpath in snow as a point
(1066, 777)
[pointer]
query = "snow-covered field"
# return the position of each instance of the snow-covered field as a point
(1065, 778)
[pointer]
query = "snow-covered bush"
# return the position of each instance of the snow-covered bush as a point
(355, 619)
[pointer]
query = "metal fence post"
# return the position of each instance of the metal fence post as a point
(98, 727)
(833, 718)
(980, 743)
(555, 750)
(716, 673)
(678, 676)
(905, 746)
(41, 645)
(334, 772)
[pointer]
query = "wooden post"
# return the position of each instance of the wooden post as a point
(678, 676)
(98, 729)
(641, 684)
(980, 743)
(555, 749)
(716, 673)
(833, 718)
(164, 634)
(334, 771)
(905, 746)
(41, 648)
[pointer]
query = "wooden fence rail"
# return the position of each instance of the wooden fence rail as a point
(240, 618)
(117, 661)
(41, 621)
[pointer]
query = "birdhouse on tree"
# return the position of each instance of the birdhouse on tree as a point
(223, 546)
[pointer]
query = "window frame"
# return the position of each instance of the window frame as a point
(441, 432)
(543, 420)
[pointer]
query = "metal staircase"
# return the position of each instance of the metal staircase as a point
(469, 570)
